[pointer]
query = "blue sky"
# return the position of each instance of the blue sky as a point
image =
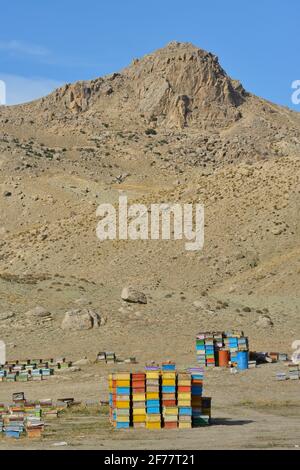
(45, 44)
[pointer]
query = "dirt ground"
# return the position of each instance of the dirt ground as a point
(250, 410)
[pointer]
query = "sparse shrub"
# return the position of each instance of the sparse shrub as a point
(150, 131)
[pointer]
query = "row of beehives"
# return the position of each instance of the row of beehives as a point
(31, 369)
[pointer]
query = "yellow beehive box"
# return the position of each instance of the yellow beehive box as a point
(122, 404)
(138, 397)
(152, 396)
(184, 396)
(184, 402)
(123, 383)
(168, 382)
(123, 419)
(170, 418)
(153, 418)
(170, 410)
(122, 376)
(184, 383)
(169, 375)
(150, 425)
(138, 411)
(139, 418)
(184, 425)
(152, 374)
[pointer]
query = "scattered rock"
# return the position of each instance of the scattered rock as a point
(6, 316)
(247, 309)
(82, 362)
(264, 321)
(38, 312)
(82, 301)
(198, 304)
(130, 294)
(81, 319)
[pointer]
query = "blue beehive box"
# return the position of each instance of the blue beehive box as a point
(153, 410)
(185, 410)
(151, 403)
(167, 366)
(123, 390)
(122, 425)
(168, 389)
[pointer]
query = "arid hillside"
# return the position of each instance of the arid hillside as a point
(171, 127)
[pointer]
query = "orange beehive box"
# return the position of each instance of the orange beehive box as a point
(169, 402)
(171, 425)
(138, 383)
(182, 388)
(138, 376)
(34, 433)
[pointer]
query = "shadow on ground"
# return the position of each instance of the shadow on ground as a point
(230, 422)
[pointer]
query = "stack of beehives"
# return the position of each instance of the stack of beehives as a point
(153, 405)
(138, 384)
(184, 400)
(160, 398)
(201, 406)
(120, 399)
(169, 398)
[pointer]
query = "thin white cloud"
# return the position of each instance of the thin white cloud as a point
(20, 47)
(23, 89)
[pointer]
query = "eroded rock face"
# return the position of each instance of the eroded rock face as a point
(77, 96)
(185, 85)
(81, 319)
(130, 294)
